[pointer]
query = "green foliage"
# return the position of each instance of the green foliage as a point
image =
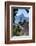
(16, 31)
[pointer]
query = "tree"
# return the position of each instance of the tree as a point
(14, 14)
(27, 10)
(16, 30)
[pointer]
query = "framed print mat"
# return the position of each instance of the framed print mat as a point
(19, 22)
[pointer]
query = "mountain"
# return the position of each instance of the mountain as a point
(21, 18)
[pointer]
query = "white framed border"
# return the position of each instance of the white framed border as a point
(30, 25)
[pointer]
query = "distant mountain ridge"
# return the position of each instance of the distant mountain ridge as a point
(21, 18)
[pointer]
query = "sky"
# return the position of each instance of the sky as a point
(19, 14)
(20, 11)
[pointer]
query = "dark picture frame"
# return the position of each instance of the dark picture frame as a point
(7, 22)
